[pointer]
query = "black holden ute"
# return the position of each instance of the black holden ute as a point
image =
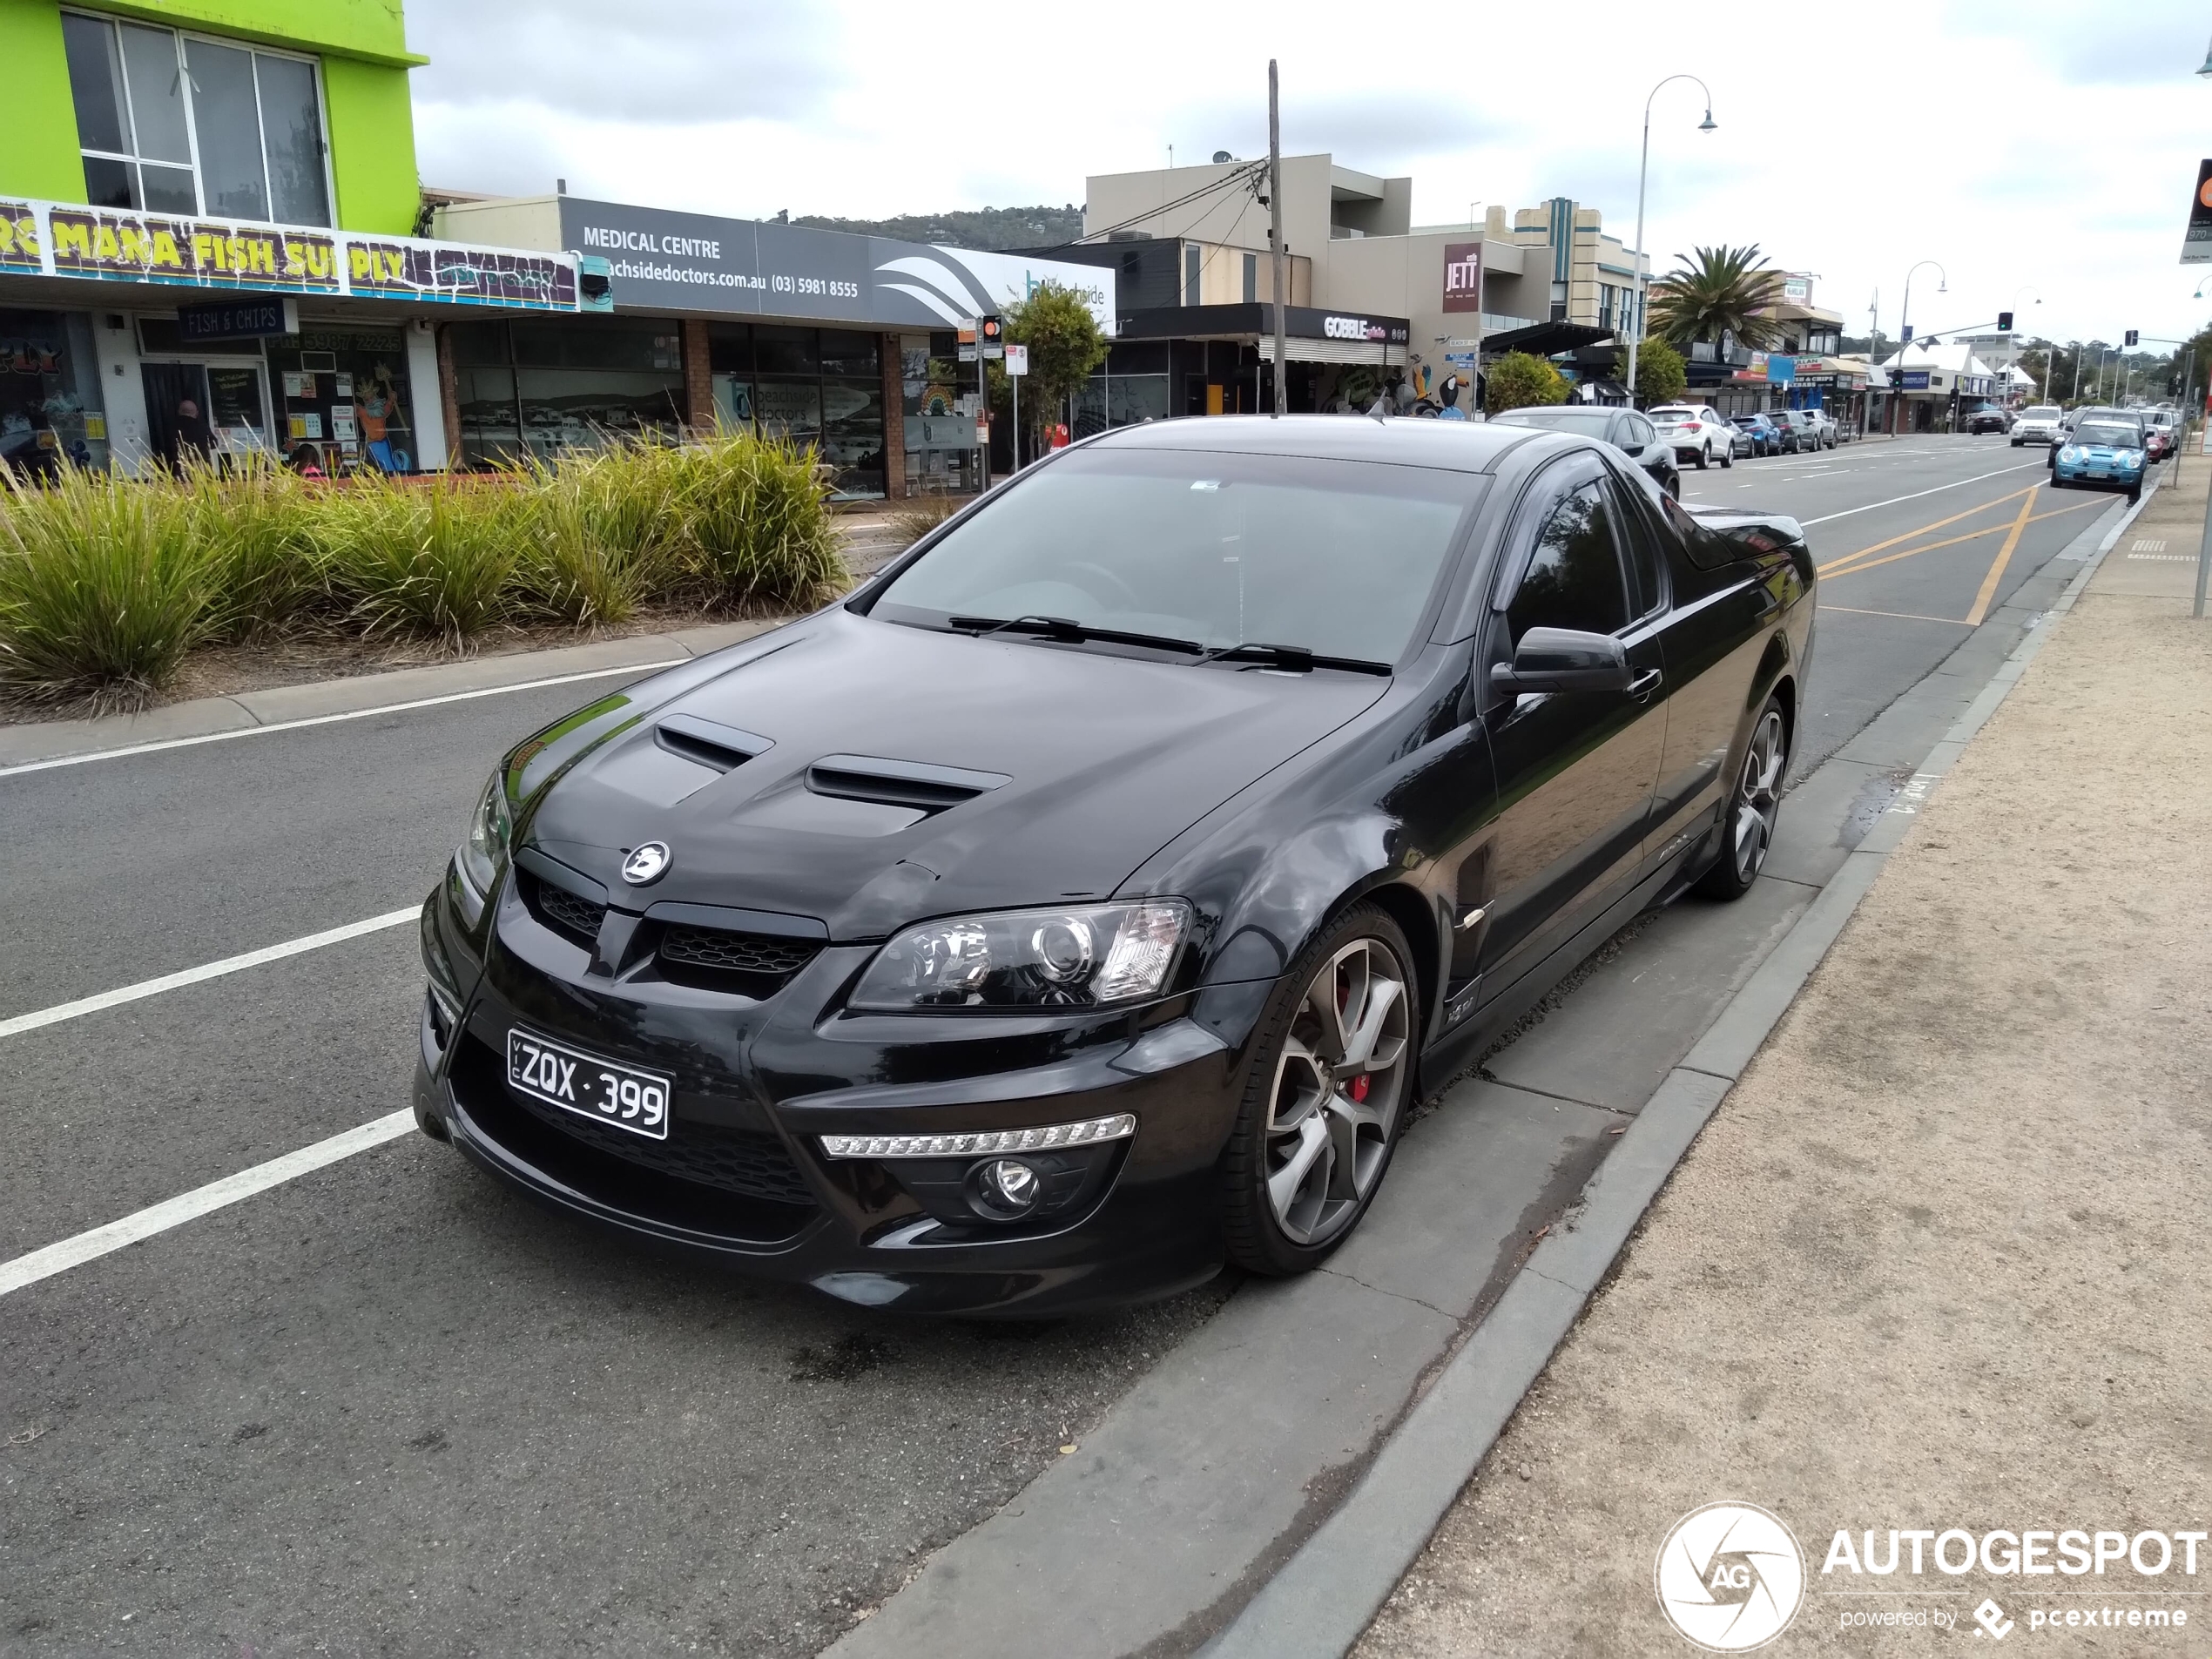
(1085, 900)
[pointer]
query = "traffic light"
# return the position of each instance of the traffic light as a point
(991, 331)
(2004, 322)
(2132, 337)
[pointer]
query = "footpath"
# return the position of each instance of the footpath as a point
(1936, 1264)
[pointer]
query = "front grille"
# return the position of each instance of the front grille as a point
(738, 1183)
(763, 953)
(752, 1162)
(558, 907)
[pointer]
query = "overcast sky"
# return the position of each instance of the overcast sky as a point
(2030, 146)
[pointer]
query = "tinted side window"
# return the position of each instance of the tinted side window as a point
(1645, 591)
(1574, 575)
(1641, 430)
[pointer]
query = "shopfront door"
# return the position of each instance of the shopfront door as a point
(176, 412)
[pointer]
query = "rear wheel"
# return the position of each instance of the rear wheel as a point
(1322, 1110)
(1753, 806)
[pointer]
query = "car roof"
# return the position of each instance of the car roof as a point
(1455, 446)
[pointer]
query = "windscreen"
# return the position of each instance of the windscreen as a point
(1337, 557)
(2109, 437)
(2038, 413)
(1591, 423)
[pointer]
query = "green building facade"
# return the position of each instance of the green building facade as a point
(208, 210)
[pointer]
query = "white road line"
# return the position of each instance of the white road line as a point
(187, 1206)
(333, 720)
(1954, 484)
(61, 1011)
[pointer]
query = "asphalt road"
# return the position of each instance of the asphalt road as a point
(385, 1407)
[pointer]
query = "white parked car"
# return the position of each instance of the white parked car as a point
(1824, 428)
(2037, 425)
(1696, 432)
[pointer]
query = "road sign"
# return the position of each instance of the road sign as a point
(2196, 240)
(982, 431)
(968, 353)
(1017, 360)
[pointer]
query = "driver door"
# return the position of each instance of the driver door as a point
(1576, 771)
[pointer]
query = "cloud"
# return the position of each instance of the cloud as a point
(671, 62)
(2023, 143)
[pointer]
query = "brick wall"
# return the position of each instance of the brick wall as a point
(698, 377)
(894, 423)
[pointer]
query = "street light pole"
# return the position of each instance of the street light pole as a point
(1904, 335)
(1643, 170)
(1275, 236)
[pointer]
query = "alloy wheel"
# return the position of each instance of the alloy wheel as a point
(1339, 1088)
(1759, 797)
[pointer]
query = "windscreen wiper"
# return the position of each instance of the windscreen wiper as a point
(1070, 632)
(1296, 659)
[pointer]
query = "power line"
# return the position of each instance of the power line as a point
(1250, 173)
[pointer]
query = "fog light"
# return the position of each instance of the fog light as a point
(1007, 1187)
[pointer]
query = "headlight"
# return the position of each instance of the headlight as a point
(1088, 956)
(484, 854)
(2069, 453)
(2130, 457)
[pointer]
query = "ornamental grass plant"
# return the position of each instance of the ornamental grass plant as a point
(107, 583)
(104, 587)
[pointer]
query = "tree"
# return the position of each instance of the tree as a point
(1065, 348)
(1720, 291)
(1519, 380)
(1661, 374)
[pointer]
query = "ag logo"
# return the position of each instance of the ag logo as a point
(1730, 1577)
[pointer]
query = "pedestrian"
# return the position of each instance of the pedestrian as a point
(192, 431)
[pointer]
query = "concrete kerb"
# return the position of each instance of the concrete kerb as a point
(1330, 1590)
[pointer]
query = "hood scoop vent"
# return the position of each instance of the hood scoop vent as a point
(708, 742)
(899, 783)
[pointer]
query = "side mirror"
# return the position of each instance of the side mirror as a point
(1564, 660)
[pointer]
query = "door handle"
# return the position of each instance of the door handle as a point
(1645, 684)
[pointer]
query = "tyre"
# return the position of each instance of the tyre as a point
(1747, 831)
(1727, 457)
(1705, 457)
(2016, 443)
(1328, 1093)
(2135, 493)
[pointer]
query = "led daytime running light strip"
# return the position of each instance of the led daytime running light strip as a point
(981, 1143)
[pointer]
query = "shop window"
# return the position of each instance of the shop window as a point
(183, 124)
(343, 396)
(49, 392)
(539, 388)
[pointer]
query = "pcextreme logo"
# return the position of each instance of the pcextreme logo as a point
(1730, 1577)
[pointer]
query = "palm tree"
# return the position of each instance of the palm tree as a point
(1722, 291)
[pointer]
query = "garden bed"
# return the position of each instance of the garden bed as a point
(117, 593)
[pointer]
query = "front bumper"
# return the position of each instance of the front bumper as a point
(742, 1177)
(2111, 478)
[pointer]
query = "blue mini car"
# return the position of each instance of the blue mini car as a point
(2101, 454)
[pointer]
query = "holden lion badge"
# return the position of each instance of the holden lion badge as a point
(647, 864)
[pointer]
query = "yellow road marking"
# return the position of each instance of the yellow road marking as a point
(1997, 566)
(1847, 558)
(1829, 571)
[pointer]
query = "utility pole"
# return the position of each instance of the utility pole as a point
(1275, 237)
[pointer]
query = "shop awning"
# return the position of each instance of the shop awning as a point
(1382, 355)
(1546, 339)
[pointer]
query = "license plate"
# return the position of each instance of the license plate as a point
(2098, 472)
(590, 1087)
